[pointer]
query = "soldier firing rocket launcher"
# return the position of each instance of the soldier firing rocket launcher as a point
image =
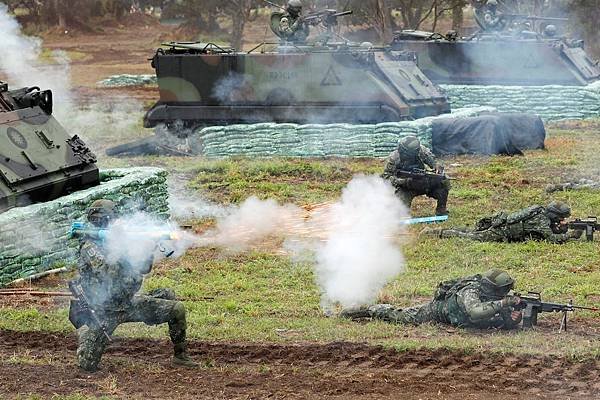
(81, 229)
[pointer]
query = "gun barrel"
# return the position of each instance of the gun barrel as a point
(535, 18)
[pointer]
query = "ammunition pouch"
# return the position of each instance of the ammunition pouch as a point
(495, 221)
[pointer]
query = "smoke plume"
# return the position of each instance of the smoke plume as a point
(361, 253)
(24, 65)
(20, 61)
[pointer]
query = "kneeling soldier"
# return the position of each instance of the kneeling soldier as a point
(401, 169)
(110, 289)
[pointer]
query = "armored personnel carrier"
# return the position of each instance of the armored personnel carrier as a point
(203, 84)
(39, 161)
(509, 49)
(527, 59)
(322, 82)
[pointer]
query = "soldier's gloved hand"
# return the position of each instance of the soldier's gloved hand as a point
(516, 316)
(510, 301)
(575, 234)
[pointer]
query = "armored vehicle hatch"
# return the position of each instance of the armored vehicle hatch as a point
(39, 161)
(204, 84)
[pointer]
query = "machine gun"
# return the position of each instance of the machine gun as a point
(513, 17)
(589, 225)
(28, 97)
(532, 304)
(326, 17)
(80, 296)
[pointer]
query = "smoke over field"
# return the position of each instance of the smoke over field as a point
(353, 242)
(25, 64)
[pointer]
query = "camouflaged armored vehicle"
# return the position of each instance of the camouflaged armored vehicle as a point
(509, 49)
(324, 82)
(39, 161)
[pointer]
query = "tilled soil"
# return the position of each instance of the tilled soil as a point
(43, 364)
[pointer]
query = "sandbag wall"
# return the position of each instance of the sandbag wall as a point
(552, 103)
(335, 140)
(36, 238)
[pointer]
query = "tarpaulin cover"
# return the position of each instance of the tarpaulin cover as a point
(493, 133)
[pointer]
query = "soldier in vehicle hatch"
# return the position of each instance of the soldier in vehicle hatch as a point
(532, 223)
(479, 301)
(107, 296)
(406, 170)
(290, 26)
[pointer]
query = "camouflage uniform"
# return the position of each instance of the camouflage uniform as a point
(291, 26)
(111, 291)
(466, 302)
(532, 223)
(412, 155)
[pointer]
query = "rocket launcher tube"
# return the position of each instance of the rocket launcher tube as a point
(81, 229)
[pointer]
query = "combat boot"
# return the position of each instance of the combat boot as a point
(181, 357)
(355, 313)
(432, 232)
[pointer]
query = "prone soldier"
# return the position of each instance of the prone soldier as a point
(532, 223)
(107, 296)
(400, 170)
(479, 301)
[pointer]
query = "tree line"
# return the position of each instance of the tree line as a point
(383, 16)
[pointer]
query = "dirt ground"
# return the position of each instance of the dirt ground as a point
(141, 369)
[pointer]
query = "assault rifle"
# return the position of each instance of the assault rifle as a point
(532, 304)
(589, 225)
(423, 175)
(326, 17)
(79, 294)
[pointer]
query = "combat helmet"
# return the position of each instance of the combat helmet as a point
(294, 7)
(409, 145)
(492, 3)
(496, 282)
(101, 213)
(557, 211)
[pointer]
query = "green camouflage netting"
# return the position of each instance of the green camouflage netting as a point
(335, 140)
(128, 80)
(552, 103)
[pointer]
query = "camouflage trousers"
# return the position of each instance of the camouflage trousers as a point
(487, 235)
(147, 309)
(429, 312)
(438, 192)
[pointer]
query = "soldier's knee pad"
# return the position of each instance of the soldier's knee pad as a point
(179, 311)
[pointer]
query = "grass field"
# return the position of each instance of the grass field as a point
(261, 295)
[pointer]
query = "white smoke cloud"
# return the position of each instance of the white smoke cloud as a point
(361, 253)
(21, 62)
(186, 204)
(353, 243)
(98, 121)
(139, 239)
(253, 221)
